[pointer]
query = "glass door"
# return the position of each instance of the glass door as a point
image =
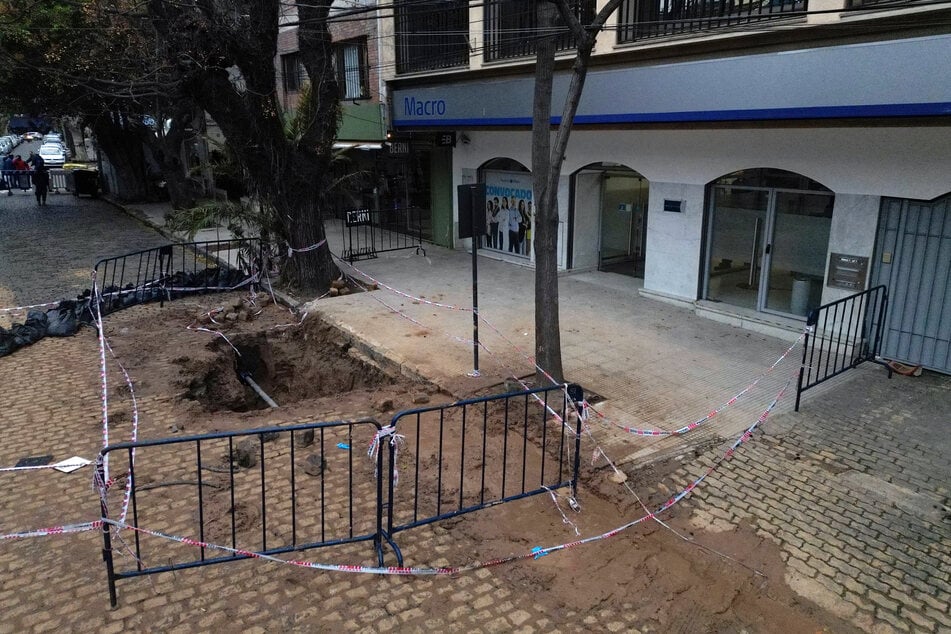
(795, 255)
(737, 242)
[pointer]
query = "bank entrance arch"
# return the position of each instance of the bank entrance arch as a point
(767, 241)
(609, 219)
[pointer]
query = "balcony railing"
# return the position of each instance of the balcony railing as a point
(510, 27)
(431, 35)
(641, 19)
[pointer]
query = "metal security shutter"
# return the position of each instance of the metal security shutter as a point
(914, 262)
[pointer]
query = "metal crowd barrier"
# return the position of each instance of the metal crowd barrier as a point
(844, 334)
(174, 270)
(265, 492)
(367, 232)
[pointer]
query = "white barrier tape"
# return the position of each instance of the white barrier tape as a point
(291, 250)
(396, 291)
(395, 441)
(30, 307)
(102, 371)
(535, 552)
(54, 530)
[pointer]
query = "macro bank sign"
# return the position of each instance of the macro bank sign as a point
(825, 82)
(413, 107)
(462, 104)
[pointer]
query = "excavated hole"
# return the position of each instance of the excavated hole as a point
(311, 362)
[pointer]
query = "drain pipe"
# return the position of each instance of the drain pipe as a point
(246, 377)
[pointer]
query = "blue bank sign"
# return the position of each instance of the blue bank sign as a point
(895, 78)
(423, 107)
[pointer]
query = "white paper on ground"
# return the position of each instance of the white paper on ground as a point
(71, 464)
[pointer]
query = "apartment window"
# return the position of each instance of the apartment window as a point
(291, 70)
(353, 76)
(510, 29)
(431, 34)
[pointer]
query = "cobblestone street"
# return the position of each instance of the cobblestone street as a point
(48, 252)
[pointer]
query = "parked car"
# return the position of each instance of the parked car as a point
(10, 141)
(53, 154)
(52, 137)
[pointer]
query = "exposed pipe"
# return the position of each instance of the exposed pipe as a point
(246, 377)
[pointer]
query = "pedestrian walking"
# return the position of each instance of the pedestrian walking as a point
(41, 185)
(8, 177)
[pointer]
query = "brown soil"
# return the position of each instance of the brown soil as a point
(733, 583)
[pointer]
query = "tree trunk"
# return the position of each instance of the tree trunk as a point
(545, 233)
(292, 178)
(546, 168)
(123, 150)
(166, 149)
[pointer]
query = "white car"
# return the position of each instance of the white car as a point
(53, 154)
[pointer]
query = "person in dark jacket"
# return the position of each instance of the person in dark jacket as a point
(7, 168)
(41, 185)
(36, 161)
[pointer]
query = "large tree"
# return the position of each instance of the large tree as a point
(93, 61)
(224, 52)
(547, 159)
(130, 66)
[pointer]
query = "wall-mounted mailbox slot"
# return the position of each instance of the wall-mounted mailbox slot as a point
(847, 271)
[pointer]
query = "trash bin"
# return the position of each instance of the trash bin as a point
(83, 181)
(801, 293)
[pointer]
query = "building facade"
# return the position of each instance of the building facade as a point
(750, 159)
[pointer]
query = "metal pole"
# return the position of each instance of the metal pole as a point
(107, 540)
(475, 301)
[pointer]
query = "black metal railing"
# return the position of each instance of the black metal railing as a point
(477, 453)
(642, 19)
(510, 27)
(269, 491)
(235, 495)
(431, 35)
(175, 270)
(843, 334)
(368, 232)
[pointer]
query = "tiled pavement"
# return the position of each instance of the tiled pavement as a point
(855, 490)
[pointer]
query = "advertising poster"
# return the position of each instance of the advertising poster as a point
(509, 211)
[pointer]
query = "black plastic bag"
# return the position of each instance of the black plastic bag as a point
(32, 330)
(7, 342)
(62, 320)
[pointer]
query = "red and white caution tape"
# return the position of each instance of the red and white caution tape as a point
(534, 553)
(15, 309)
(54, 530)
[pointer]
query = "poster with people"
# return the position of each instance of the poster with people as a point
(509, 212)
